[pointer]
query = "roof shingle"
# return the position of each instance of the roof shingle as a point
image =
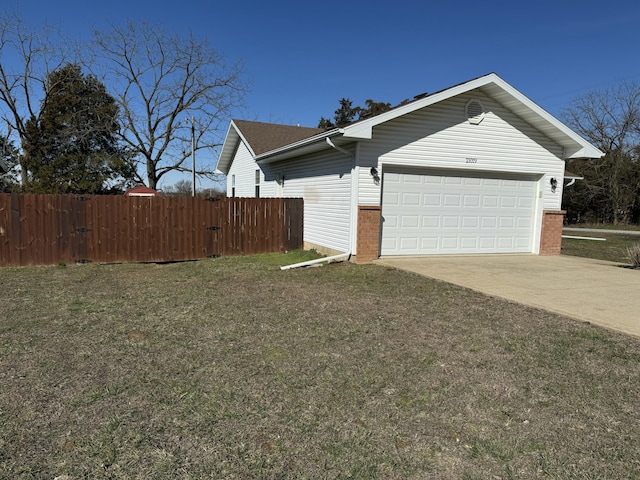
(264, 137)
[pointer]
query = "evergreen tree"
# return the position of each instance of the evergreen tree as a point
(347, 113)
(74, 146)
(8, 159)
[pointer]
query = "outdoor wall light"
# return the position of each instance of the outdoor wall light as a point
(374, 174)
(554, 184)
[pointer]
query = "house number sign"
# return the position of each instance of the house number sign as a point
(472, 160)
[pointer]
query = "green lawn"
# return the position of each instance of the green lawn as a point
(231, 368)
(614, 249)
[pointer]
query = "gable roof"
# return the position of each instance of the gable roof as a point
(263, 137)
(260, 138)
(315, 139)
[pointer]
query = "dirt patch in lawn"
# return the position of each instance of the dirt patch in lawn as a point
(231, 368)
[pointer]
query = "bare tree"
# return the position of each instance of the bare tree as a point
(26, 58)
(161, 83)
(182, 188)
(611, 120)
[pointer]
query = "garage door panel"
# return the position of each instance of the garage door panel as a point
(453, 180)
(429, 244)
(525, 203)
(471, 201)
(508, 202)
(469, 243)
(389, 244)
(409, 244)
(411, 199)
(456, 214)
(473, 181)
(452, 200)
(449, 243)
(431, 200)
(393, 199)
(470, 222)
(409, 221)
(430, 221)
(505, 242)
(450, 222)
(489, 222)
(487, 243)
(490, 201)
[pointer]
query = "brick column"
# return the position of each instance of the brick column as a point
(368, 241)
(551, 234)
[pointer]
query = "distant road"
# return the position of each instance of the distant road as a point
(601, 230)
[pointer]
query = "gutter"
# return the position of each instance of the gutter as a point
(301, 143)
(318, 260)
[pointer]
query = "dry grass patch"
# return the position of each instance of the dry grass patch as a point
(230, 368)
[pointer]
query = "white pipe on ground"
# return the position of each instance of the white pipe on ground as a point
(585, 238)
(318, 260)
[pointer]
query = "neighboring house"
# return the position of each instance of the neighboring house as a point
(141, 191)
(474, 169)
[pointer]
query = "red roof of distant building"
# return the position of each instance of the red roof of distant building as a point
(141, 191)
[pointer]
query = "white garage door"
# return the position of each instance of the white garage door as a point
(457, 212)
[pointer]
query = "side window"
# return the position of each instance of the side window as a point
(233, 185)
(258, 183)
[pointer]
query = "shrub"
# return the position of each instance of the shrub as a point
(633, 254)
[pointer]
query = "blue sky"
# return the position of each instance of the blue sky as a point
(301, 57)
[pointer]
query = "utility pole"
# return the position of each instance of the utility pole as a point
(193, 157)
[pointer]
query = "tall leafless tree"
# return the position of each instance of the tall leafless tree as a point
(26, 58)
(162, 83)
(611, 120)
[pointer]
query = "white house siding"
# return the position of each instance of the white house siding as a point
(244, 168)
(441, 137)
(324, 181)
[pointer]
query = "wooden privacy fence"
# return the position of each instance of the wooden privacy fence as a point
(52, 229)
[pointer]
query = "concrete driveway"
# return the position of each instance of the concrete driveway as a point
(595, 291)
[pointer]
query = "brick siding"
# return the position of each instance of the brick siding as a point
(551, 235)
(368, 247)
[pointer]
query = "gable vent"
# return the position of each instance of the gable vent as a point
(474, 111)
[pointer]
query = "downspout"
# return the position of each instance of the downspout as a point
(340, 149)
(354, 177)
(318, 260)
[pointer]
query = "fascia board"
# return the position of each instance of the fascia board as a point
(229, 147)
(588, 151)
(244, 140)
(585, 149)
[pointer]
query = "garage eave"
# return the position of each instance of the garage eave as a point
(492, 85)
(583, 153)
